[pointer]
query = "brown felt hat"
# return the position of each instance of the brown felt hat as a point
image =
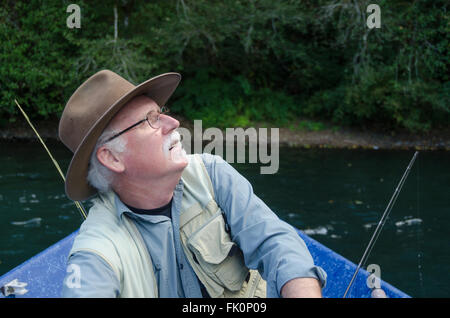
(91, 108)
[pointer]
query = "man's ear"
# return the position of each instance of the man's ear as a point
(110, 160)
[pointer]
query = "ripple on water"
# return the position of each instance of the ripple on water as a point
(34, 222)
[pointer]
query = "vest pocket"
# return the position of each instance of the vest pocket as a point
(217, 255)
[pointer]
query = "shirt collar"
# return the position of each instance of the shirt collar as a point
(121, 208)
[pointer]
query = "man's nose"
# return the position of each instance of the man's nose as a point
(168, 123)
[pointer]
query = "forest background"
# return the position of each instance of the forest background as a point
(296, 64)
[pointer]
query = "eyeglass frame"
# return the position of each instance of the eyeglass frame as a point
(162, 110)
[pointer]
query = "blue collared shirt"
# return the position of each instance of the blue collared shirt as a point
(269, 244)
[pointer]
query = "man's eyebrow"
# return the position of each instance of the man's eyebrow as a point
(152, 110)
(157, 108)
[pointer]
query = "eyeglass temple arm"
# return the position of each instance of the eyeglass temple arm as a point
(125, 130)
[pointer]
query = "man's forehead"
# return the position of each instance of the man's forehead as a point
(139, 101)
(138, 106)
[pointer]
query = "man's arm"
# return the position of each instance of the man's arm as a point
(301, 288)
(269, 244)
(89, 276)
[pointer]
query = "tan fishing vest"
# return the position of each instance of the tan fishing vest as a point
(214, 257)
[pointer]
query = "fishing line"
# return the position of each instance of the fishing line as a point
(77, 203)
(419, 231)
(381, 222)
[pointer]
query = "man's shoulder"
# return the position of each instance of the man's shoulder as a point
(98, 228)
(100, 234)
(101, 223)
(100, 213)
(207, 157)
(209, 160)
(214, 164)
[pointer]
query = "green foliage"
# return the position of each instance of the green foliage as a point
(397, 76)
(417, 106)
(33, 67)
(311, 125)
(232, 103)
(242, 61)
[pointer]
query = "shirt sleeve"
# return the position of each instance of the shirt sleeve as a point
(269, 244)
(89, 276)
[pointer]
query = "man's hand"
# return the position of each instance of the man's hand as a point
(301, 288)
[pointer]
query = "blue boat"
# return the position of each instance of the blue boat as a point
(45, 272)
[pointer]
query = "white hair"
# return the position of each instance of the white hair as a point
(99, 176)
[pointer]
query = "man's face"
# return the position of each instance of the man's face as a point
(147, 152)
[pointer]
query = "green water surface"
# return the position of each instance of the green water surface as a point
(335, 196)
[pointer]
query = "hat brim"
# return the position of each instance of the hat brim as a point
(158, 88)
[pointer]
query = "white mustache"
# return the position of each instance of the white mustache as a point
(173, 138)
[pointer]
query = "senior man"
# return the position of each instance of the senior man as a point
(163, 223)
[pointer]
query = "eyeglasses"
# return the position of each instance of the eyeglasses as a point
(152, 118)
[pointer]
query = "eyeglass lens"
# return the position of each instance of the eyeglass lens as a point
(153, 116)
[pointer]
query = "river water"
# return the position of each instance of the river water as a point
(335, 196)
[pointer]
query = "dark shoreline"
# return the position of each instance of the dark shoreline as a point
(343, 138)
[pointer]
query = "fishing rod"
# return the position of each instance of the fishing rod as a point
(77, 203)
(382, 221)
